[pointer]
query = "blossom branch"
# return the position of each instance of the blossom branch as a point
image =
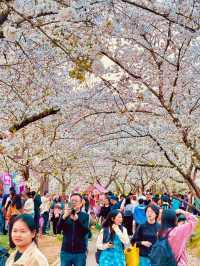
(32, 119)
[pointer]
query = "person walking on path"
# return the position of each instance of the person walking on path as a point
(105, 209)
(57, 211)
(44, 212)
(74, 225)
(37, 202)
(29, 204)
(115, 203)
(128, 216)
(146, 234)
(139, 213)
(176, 203)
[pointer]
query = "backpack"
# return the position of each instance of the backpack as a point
(3, 256)
(106, 238)
(161, 253)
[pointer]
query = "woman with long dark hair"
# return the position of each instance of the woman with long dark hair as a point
(112, 239)
(24, 237)
(14, 206)
(177, 235)
(146, 234)
(14, 209)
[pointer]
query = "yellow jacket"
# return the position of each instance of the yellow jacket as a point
(31, 257)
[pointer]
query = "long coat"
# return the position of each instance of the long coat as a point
(31, 257)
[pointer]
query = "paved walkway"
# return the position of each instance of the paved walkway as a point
(50, 246)
(193, 261)
(91, 255)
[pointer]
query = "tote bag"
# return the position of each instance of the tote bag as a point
(132, 256)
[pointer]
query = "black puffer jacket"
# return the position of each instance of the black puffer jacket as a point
(75, 233)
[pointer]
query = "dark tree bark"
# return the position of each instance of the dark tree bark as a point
(33, 119)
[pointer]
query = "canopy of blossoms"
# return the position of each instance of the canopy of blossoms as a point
(108, 90)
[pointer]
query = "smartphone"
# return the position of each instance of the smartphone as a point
(69, 205)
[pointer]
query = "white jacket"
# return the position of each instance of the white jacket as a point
(123, 236)
(29, 206)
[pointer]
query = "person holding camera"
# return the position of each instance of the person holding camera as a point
(74, 225)
(112, 239)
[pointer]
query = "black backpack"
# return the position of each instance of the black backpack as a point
(161, 253)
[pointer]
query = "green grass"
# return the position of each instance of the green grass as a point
(4, 241)
(195, 240)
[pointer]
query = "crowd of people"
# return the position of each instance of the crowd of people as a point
(125, 220)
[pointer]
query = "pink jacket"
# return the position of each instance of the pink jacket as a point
(178, 238)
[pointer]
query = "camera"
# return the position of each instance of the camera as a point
(70, 206)
(73, 211)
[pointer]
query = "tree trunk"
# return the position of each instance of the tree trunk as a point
(142, 188)
(193, 185)
(118, 189)
(165, 187)
(25, 172)
(64, 187)
(109, 183)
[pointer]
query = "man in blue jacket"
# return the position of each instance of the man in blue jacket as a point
(74, 225)
(115, 203)
(139, 213)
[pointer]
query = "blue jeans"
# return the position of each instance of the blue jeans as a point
(144, 261)
(75, 259)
